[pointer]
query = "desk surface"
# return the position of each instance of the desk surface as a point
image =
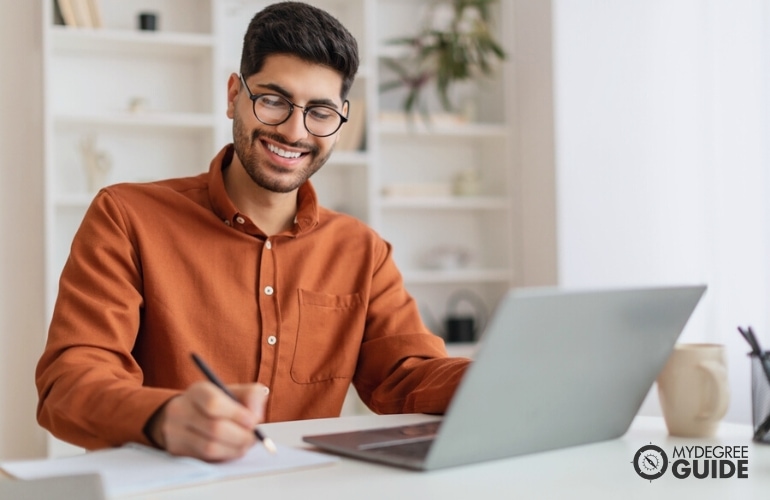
(600, 470)
(594, 471)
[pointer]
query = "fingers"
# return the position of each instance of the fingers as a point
(252, 396)
(205, 423)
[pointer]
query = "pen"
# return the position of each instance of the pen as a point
(266, 441)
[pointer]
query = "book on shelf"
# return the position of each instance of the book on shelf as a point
(78, 13)
(95, 9)
(352, 133)
(82, 13)
(66, 8)
(58, 19)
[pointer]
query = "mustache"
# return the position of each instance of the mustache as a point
(259, 134)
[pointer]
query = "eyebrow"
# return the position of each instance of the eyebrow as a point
(285, 93)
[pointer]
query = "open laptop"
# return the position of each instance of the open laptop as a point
(553, 369)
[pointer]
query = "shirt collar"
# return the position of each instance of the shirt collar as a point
(307, 201)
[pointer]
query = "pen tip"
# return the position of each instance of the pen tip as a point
(270, 445)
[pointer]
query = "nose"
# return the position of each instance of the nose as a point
(293, 129)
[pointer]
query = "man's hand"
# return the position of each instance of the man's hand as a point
(203, 422)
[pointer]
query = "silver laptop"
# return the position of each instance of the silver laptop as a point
(553, 369)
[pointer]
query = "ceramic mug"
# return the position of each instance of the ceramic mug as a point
(693, 390)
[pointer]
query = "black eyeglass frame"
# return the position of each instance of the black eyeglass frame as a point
(305, 109)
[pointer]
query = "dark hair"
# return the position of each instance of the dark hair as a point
(304, 31)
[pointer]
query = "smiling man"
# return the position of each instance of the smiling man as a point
(287, 301)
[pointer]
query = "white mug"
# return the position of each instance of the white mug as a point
(693, 390)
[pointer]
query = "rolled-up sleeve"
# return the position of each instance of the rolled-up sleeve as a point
(403, 367)
(89, 384)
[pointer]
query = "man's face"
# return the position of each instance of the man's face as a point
(280, 158)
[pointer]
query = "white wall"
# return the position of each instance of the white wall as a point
(660, 160)
(22, 324)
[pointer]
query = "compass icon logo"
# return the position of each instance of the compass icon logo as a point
(650, 462)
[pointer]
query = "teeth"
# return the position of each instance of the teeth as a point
(283, 153)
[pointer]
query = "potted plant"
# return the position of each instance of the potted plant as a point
(455, 45)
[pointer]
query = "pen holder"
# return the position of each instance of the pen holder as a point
(760, 398)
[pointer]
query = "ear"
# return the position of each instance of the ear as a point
(233, 89)
(346, 108)
(346, 112)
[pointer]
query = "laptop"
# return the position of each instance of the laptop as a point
(553, 368)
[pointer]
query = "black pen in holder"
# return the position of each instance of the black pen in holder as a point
(760, 397)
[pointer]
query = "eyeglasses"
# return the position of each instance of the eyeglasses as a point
(274, 109)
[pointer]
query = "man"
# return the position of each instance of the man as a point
(287, 301)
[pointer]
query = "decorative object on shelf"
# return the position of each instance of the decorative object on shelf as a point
(447, 257)
(137, 104)
(462, 324)
(148, 21)
(97, 164)
(467, 182)
(455, 45)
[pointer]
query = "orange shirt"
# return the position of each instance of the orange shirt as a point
(158, 271)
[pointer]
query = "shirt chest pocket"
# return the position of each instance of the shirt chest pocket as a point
(329, 334)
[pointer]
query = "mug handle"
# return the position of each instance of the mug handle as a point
(718, 374)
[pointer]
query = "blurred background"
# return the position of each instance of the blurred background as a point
(618, 144)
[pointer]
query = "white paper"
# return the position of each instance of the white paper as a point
(134, 468)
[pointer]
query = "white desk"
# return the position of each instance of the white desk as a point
(601, 470)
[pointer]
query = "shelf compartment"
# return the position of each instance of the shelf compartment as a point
(446, 242)
(95, 82)
(135, 154)
(429, 160)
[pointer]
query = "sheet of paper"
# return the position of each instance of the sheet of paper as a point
(259, 461)
(134, 469)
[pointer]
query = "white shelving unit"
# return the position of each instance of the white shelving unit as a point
(144, 98)
(413, 153)
(177, 76)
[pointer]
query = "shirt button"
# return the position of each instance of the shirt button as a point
(268, 290)
(227, 223)
(267, 390)
(240, 220)
(272, 340)
(268, 245)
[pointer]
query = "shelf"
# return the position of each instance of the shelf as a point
(456, 276)
(136, 42)
(201, 121)
(445, 203)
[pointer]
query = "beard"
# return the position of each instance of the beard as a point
(267, 175)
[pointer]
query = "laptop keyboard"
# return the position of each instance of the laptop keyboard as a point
(396, 436)
(425, 429)
(416, 449)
